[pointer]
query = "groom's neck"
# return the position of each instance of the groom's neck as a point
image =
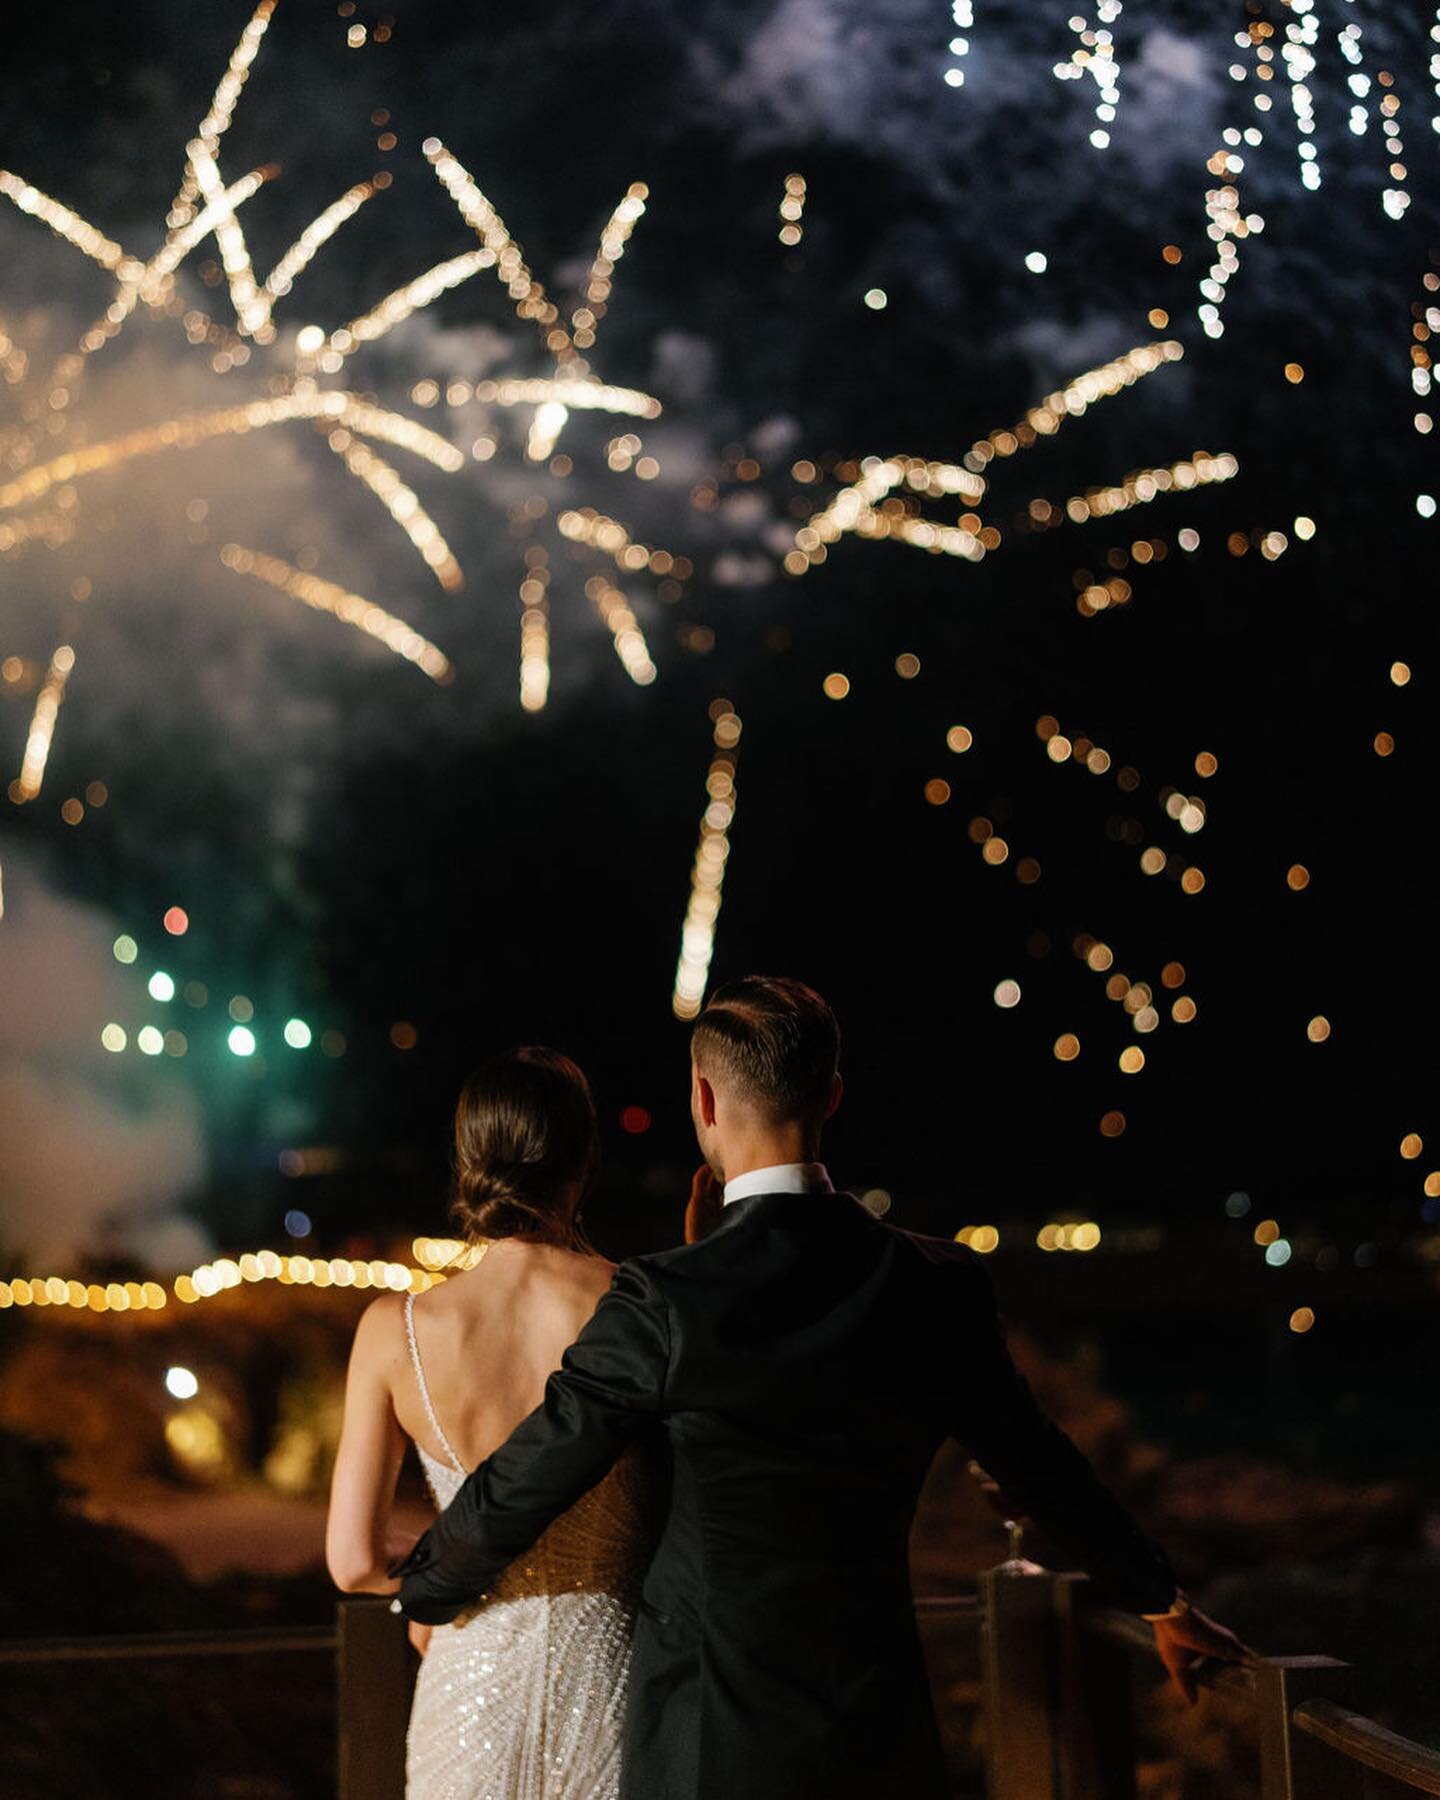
(769, 1149)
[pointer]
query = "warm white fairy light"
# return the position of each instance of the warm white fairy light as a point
(630, 645)
(535, 631)
(315, 236)
(707, 877)
(42, 726)
(403, 505)
(351, 609)
(1095, 57)
(792, 210)
(962, 15)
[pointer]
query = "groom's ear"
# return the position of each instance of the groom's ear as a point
(704, 1100)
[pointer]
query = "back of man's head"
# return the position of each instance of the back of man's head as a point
(773, 1045)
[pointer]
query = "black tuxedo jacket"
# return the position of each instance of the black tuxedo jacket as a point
(803, 1363)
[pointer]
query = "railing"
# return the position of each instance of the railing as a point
(372, 1669)
(1057, 1680)
(1057, 1684)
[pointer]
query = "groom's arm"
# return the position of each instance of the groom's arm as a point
(609, 1388)
(1039, 1470)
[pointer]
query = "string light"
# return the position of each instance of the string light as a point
(351, 609)
(707, 877)
(42, 727)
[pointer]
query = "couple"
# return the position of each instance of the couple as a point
(671, 1560)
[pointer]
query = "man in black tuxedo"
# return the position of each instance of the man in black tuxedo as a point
(803, 1363)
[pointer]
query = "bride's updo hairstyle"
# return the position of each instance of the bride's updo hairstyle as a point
(525, 1133)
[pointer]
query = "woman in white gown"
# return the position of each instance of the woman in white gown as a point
(523, 1697)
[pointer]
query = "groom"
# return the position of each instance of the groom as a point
(804, 1364)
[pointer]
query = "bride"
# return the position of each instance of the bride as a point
(522, 1698)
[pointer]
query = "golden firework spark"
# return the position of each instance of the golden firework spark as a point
(351, 609)
(623, 627)
(38, 493)
(535, 631)
(403, 505)
(707, 877)
(185, 433)
(315, 236)
(26, 786)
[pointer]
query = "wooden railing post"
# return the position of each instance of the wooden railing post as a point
(1020, 1684)
(373, 1672)
(1096, 1740)
(1292, 1766)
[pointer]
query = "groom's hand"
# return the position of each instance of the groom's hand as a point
(707, 1198)
(1191, 1638)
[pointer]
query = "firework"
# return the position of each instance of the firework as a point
(535, 631)
(707, 877)
(630, 645)
(402, 504)
(351, 609)
(1095, 57)
(42, 726)
(792, 210)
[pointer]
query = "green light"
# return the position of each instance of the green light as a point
(150, 1041)
(162, 986)
(297, 1034)
(125, 948)
(113, 1037)
(241, 1040)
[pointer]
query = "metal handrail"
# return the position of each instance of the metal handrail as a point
(1372, 1745)
(247, 1641)
(1131, 1632)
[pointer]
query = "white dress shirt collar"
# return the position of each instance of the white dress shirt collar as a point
(780, 1178)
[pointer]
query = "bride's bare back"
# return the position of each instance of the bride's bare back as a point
(489, 1338)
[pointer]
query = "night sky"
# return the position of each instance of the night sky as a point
(363, 849)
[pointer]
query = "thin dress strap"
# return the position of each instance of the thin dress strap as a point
(420, 1382)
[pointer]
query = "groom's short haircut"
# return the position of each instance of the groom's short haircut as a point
(772, 1040)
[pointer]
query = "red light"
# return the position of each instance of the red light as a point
(177, 921)
(635, 1119)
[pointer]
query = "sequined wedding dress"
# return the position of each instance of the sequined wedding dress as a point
(523, 1697)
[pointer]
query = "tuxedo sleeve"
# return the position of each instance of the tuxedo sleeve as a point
(609, 1389)
(1039, 1470)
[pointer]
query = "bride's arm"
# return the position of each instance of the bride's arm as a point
(359, 1546)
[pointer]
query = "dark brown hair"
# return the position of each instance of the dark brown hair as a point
(775, 1041)
(524, 1132)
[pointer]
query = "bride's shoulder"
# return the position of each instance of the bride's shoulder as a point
(380, 1332)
